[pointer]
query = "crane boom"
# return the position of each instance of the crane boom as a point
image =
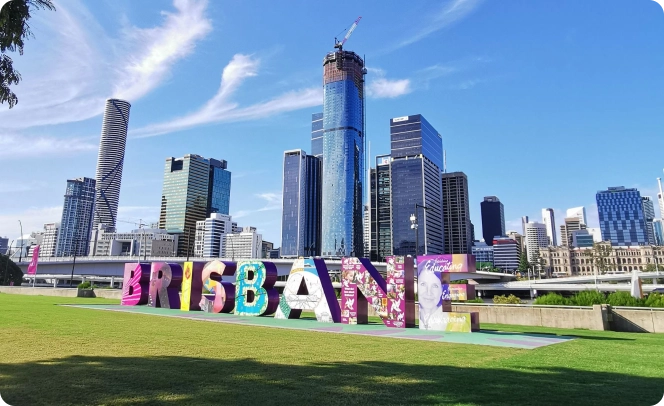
(340, 45)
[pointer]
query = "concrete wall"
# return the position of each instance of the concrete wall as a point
(541, 316)
(640, 320)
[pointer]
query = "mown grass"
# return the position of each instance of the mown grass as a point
(55, 355)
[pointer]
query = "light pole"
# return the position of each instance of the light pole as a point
(414, 225)
(20, 253)
(73, 265)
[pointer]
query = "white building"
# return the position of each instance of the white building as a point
(49, 240)
(660, 198)
(210, 235)
(536, 238)
(549, 220)
(146, 242)
(246, 244)
(580, 213)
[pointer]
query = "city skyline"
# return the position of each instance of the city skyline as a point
(468, 89)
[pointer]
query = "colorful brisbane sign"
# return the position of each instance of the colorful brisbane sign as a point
(309, 287)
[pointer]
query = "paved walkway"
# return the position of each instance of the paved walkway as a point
(484, 337)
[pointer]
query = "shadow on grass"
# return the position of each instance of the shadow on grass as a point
(91, 380)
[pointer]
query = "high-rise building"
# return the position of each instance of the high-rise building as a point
(194, 188)
(549, 220)
(570, 225)
(581, 239)
(210, 235)
(366, 222)
(300, 223)
(658, 227)
(520, 240)
(246, 244)
(77, 214)
(536, 238)
(649, 216)
(505, 253)
(317, 135)
(110, 162)
(456, 214)
(580, 213)
(49, 243)
(416, 167)
(621, 216)
(381, 209)
(660, 198)
(524, 221)
(343, 154)
(493, 218)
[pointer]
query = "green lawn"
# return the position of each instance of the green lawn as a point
(54, 355)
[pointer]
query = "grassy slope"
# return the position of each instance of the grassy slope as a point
(53, 355)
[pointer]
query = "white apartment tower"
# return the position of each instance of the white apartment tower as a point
(246, 244)
(110, 161)
(549, 220)
(536, 238)
(49, 240)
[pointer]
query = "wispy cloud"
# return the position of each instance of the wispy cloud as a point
(221, 108)
(32, 219)
(272, 200)
(74, 83)
(20, 146)
(159, 48)
(451, 12)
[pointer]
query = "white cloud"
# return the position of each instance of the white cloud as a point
(450, 13)
(222, 109)
(385, 88)
(159, 48)
(19, 146)
(75, 65)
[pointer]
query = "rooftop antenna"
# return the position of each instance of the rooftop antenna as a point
(444, 161)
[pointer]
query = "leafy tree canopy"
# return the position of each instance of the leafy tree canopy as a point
(9, 272)
(14, 30)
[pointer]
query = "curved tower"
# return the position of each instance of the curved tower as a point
(343, 155)
(109, 162)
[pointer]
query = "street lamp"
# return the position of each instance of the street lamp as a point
(414, 226)
(22, 241)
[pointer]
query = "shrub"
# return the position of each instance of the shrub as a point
(623, 299)
(85, 285)
(511, 299)
(476, 300)
(553, 299)
(588, 298)
(654, 300)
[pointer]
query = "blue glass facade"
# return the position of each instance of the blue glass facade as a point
(77, 217)
(343, 155)
(621, 216)
(219, 192)
(317, 135)
(659, 232)
(417, 161)
(300, 224)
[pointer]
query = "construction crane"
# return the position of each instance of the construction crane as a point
(340, 44)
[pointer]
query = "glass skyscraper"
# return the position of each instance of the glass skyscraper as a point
(621, 216)
(317, 135)
(456, 214)
(417, 162)
(194, 187)
(381, 208)
(300, 226)
(493, 219)
(77, 218)
(343, 154)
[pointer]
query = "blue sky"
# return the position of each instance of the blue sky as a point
(539, 103)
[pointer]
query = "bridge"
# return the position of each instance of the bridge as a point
(111, 269)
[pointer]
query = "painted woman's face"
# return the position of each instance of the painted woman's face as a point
(429, 290)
